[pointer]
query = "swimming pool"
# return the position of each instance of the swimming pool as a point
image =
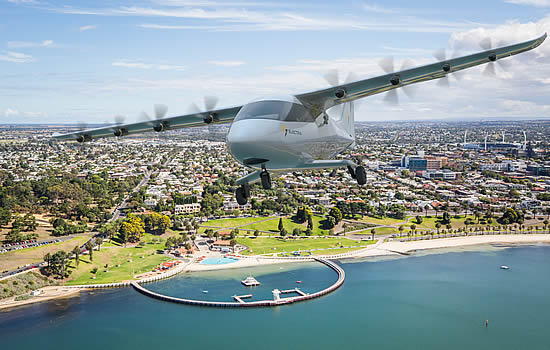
(218, 261)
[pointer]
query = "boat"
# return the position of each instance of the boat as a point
(205, 291)
(250, 282)
(504, 267)
(298, 281)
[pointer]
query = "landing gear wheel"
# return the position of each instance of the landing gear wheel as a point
(351, 172)
(242, 194)
(266, 180)
(361, 175)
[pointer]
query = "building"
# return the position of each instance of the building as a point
(187, 208)
(445, 175)
(222, 246)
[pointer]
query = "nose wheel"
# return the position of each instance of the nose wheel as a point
(242, 194)
(266, 180)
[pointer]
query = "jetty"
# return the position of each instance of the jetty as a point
(239, 302)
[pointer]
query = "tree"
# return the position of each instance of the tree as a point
(296, 232)
(256, 233)
(437, 226)
(280, 224)
(98, 241)
(310, 223)
(5, 216)
(308, 232)
(283, 232)
(401, 228)
(233, 243)
(336, 214)
(90, 247)
(76, 252)
(447, 218)
(419, 219)
(331, 222)
(373, 231)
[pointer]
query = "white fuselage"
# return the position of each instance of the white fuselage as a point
(287, 144)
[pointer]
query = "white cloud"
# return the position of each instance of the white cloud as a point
(22, 1)
(9, 112)
(35, 114)
(15, 57)
(242, 19)
(153, 66)
(27, 44)
(227, 63)
(536, 3)
(88, 27)
(377, 9)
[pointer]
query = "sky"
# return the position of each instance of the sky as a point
(88, 61)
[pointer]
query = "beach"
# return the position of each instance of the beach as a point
(381, 248)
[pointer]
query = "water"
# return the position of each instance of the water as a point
(218, 261)
(434, 301)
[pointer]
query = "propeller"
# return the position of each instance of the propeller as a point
(160, 111)
(487, 45)
(333, 78)
(441, 56)
(210, 103)
(388, 66)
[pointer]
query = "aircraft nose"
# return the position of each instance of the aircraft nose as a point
(250, 142)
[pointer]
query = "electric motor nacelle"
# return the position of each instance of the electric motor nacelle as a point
(84, 138)
(340, 93)
(159, 127)
(492, 57)
(446, 67)
(210, 118)
(395, 80)
(120, 132)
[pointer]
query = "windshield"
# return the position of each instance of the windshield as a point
(275, 110)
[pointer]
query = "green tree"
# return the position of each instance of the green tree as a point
(373, 232)
(90, 248)
(280, 227)
(437, 226)
(336, 214)
(76, 252)
(283, 232)
(256, 233)
(5, 216)
(418, 219)
(310, 223)
(296, 232)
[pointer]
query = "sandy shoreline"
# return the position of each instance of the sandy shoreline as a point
(390, 248)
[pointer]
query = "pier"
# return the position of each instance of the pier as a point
(239, 302)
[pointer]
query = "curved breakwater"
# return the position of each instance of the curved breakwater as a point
(283, 301)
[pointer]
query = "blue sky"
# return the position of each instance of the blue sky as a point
(68, 61)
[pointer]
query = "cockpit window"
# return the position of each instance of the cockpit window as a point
(275, 110)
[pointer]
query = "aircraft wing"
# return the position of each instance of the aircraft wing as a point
(320, 100)
(218, 116)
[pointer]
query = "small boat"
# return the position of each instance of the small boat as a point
(504, 267)
(205, 291)
(298, 281)
(250, 282)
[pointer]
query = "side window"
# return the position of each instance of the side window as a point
(299, 113)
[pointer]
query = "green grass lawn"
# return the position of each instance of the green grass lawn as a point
(379, 231)
(266, 245)
(340, 250)
(289, 224)
(144, 259)
(231, 222)
(13, 259)
(384, 221)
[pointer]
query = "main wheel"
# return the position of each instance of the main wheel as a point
(351, 172)
(361, 175)
(240, 194)
(266, 180)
